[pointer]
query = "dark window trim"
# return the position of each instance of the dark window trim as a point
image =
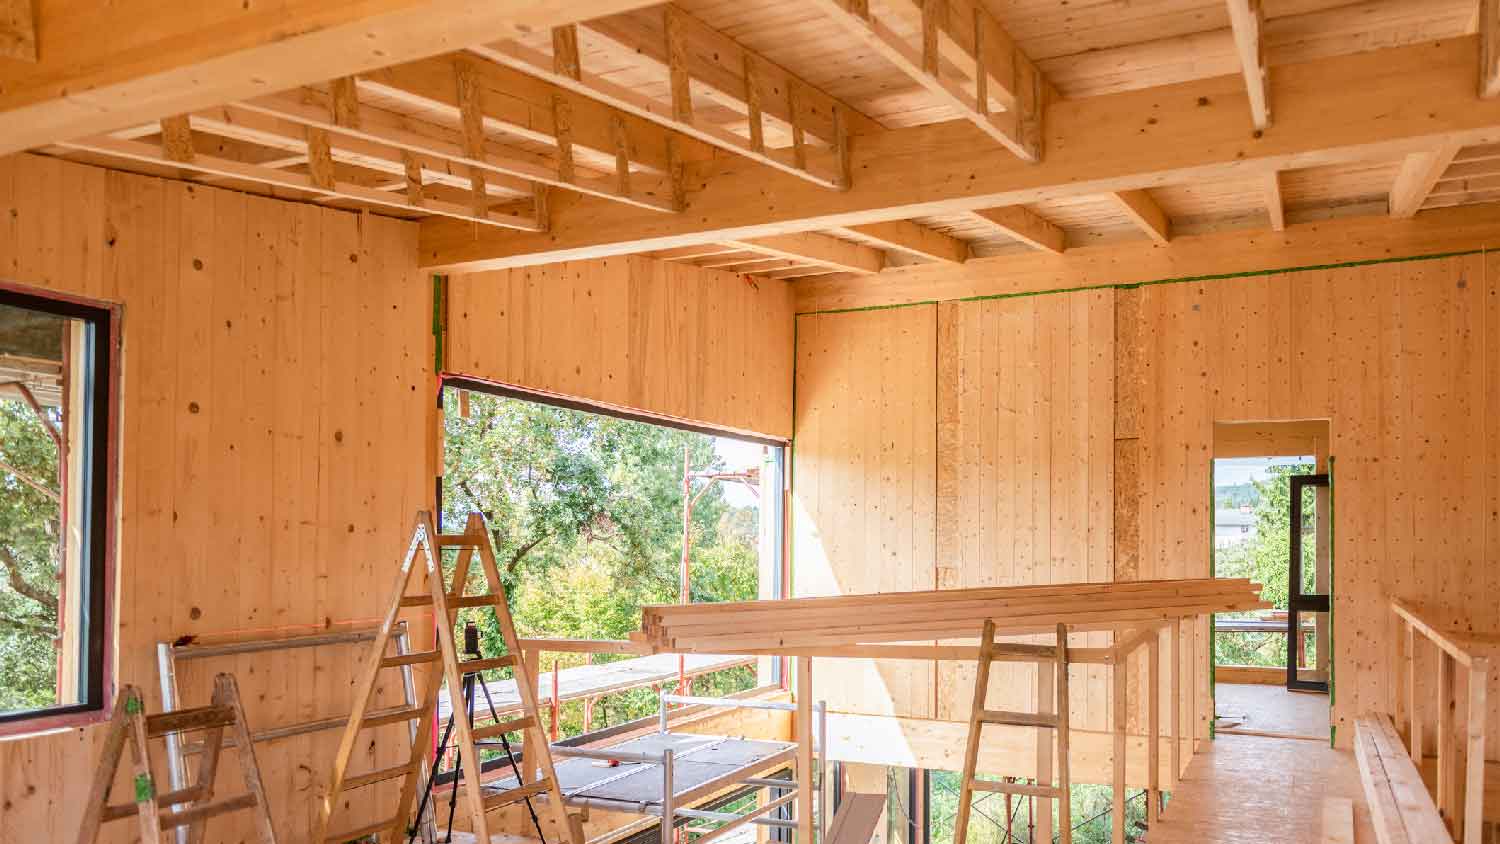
(102, 472)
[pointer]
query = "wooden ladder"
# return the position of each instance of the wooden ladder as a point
(1057, 721)
(159, 811)
(445, 600)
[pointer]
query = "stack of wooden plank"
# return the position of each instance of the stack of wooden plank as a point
(768, 627)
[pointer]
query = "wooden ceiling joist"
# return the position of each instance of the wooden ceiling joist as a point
(136, 61)
(1419, 172)
(1247, 20)
(1275, 209)
(912, 239)
(695, 57)
(1023, 225)
(510, 217)
(432, 142)
(820, 250)
(1146, 214)
(1000, 71)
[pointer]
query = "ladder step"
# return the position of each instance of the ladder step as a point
(183, 720)
(503, 727)
(171, 798)
(485, 600)
(416, 600)
(377, 776)
(170, 819)
(1023, 789)
(410, 659)
(488, 664)
(516, 795)
(361, 832)
(457, 540)
(1018, 719)
(391, 716)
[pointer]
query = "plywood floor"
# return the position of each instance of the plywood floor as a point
(1253, 789)
(1270, 709)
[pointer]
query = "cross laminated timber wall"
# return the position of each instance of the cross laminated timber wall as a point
(1069, 436)
(278, 422)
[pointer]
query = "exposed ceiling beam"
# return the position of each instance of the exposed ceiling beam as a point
(708, 60)
(1248, 21)
(18, 30)
(1362, 107)
(1145, 213)
(1021, 224)
(322, 184)
(912, 239)
(1001, 70)
(1489, 48)
(820, 249)
(134, 61)
(1275, 210)
(1320, 243)
(1414, 181)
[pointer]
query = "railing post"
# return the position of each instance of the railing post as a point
(1447, 765)
(1479, 677)
(1153, 719)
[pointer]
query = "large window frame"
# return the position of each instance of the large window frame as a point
(98, 476)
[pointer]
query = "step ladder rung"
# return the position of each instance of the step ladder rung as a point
(391, 716)
(515, 795)
(381, 775)
(487, 664)
(415, 658)
(117, 811)
(170, 819)
(1018, 719)
(458, 540)
(360, 832)
(416, 600)
(185, 720)
(503, 727)
(1023, 789)
(485, 600)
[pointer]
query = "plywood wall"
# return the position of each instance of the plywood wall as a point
(865, 463)
(664, 338)
(1402, 358)
(274, 420)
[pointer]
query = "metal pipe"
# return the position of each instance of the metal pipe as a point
(667, 809)
(606, 754)
(166, 668)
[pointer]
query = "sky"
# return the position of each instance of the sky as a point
(738, 454)
(1229, 471)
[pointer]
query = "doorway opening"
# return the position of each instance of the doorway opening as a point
(1272, 496)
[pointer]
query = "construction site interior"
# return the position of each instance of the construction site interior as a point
(1120, 380)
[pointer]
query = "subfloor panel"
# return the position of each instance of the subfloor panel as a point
(1248, 707)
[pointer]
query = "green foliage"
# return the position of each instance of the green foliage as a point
(586, 514)
(1089, 805)
(29, 564)
(1264, 560)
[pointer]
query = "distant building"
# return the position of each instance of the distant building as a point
(1233, 526)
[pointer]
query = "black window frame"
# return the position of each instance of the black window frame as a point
(98, 476)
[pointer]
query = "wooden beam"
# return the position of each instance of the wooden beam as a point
(177, 138)
(137, 61)
(18, 30)
(822, 250)
(1275, 210)
(1023, 225)
(1145, 213)
(1247, 20)
(921, 241)
(1414, 181)
(709, 63)
(1384, 103)
(150, 154)
(1313, 243)
(1489, 51)
(1019, 127)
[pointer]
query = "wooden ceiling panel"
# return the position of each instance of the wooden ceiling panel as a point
(1338, 186)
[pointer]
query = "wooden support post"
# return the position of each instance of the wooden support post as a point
(1046, 704)
(1176, 719)
(1064, 775)
(1396, 701)
(565, 61)
(320, 158)
(933, 12)
(413, 179)
(752, 105)
(1117, 781)
(1447, 763)
(804, 751)
(1153, 720)
(343, 103)
(621, 138)
(177, 138)
(1479, 677)
(799, 138)
(681, 80)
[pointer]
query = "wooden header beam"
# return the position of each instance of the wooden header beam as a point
(1362, 107)
(136, 61)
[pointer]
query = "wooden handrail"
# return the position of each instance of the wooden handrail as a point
(1454, 650)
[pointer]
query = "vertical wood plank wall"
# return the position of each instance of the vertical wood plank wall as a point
(275, 397)
(664, 338)
(1051, 428)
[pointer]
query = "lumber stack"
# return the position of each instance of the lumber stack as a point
(769, 627)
